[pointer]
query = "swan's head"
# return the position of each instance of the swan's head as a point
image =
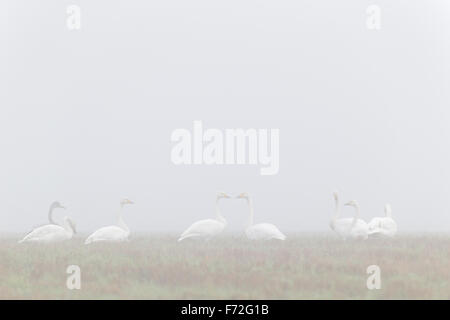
(243, 195)
(126, 201)
(352, 203)
(221, 195)
(71, 224)
(56, 205)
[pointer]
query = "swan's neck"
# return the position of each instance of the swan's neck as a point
(219, 214)
(68, 228)
(388, 211)
(50, 215)
(356, 216)
(251, 212)
(120, 221)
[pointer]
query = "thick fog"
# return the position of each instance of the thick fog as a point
(86, 116)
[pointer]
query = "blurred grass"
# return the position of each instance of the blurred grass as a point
(158, 267)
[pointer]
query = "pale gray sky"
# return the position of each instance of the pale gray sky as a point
(87, 115)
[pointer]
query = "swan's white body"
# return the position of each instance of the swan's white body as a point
(264, 231)
(208, 228)
(345, 229)
(108, 234)
(51, 233)
(260, 231)
(353, 228)
(118, 233)
(383, 226)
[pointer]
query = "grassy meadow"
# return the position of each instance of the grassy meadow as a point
(158, 267)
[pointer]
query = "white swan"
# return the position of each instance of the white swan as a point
(359, 228)
(260, 231)
(53, 206)
(51, 232)
(348, 227)
(383, 226)
(118, 233)
(207, 228)
(339, 225)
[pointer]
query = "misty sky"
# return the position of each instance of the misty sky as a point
(86, 116)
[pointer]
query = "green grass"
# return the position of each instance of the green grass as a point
(158, 267)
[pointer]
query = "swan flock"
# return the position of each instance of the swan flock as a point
(346, 228)
(209, 228)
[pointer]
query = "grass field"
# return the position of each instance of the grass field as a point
(302, 267)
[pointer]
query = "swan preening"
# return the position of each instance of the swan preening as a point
(117, 233)
(356, 228)
(383, 226)
(260, 231)
(52, 232)
(207, 228)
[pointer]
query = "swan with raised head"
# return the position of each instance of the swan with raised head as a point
(339, 225)
(354, 228)
(208, 228)
(117, 233)
(260, 231)
(383, 226)
(51, 232)
(359, 228)
(53, 206)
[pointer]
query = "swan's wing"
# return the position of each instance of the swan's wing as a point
(380, 224)
(376, 231)
(375, 223)
(265, 231)
(204, 227)
(360, 230)
(40, 225)
(360, 227)
(43, 231)
(360, 223)
(386, 227)
(389, 224)
(107, 233)
(342, 226)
